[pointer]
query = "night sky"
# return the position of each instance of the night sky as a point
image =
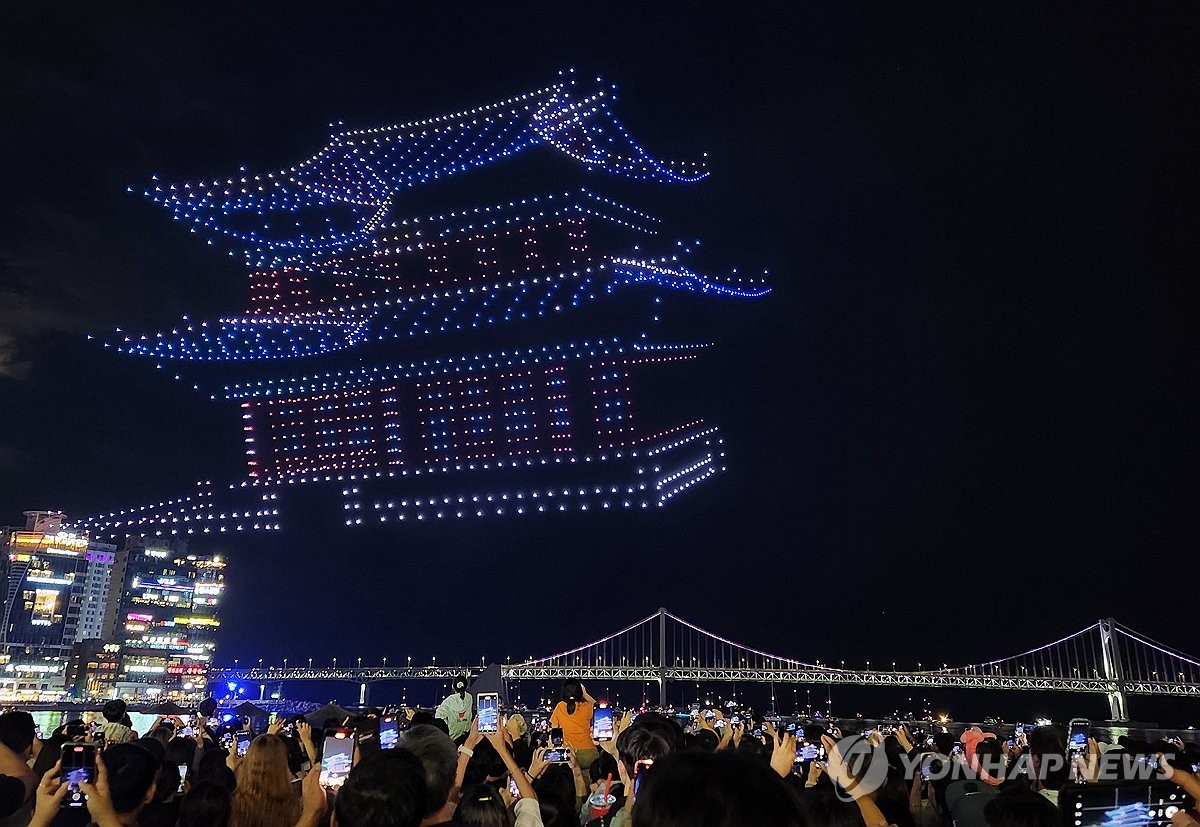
(961, 426)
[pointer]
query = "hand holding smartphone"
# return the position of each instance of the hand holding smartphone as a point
(489, 712)
(78, 766)
(336, 758)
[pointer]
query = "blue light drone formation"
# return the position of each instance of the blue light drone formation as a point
(450, 363)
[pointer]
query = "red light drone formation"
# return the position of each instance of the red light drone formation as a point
(448, 363)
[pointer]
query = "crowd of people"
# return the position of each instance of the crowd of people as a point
(655, 771)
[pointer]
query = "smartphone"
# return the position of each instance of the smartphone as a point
(557, 755)
(183, 768)
(78, 766)
(1146, 803)
(957, 750)
(366, 736)
(389, 732)
(1077, 738)
(187, 732)
(336, 758)
(809, 752)
(227, 741)
(272, 718)
(513, 790)
(602, 723)
(556, 737)
(243, 741)
(489, 711)
(719, 723)
(736, 719)
(1018, 730)
(757, 732)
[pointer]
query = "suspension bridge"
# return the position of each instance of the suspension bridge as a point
(1105, 658)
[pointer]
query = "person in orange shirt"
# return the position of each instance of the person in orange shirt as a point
(573, 715)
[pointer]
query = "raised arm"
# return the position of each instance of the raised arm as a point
(523, 786)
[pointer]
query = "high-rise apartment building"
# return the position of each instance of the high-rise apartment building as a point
(163, 610)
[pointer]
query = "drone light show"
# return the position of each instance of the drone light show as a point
(496, 358)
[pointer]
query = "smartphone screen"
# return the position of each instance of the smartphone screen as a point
(243, 741)
(78, 765)
(1078, 738)
(1150, 804)
(489, 712)
(1019, 731)
(513, 790)
(602, 723)
(389, 733)
(557, 755)
(183, 768)
(336, 759)
(556, 737)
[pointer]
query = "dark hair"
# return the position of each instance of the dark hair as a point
(132, 771)
(484, 764)
(1020, 808)
(386, 789)
(714, 789)
(650, 737)
(603, 766)
(555, 789)
(822, 805)
(572, 693)
(114, 711)
(17, 730)
(421, 717)
(213, 768)
(208, 804)
(153, 746)
(705, 740)
(943, 742)
(482, 806)
(1048, 748)
(167, 782)
(439, 761)
(180, 751)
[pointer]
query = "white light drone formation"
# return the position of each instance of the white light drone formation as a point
(473, 362)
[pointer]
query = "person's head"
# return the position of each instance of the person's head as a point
(460, 685)
(180, 751)
(264, 786)
(555, 789)
(208, 804)
(482, 806)
(153, 746)
(717, 789)
(114, 711)
(17, 732)
(604, 766)
(439, 762)
(1020, 807)
(705, 740)
(1048, 757)
(943, 742)
(822, 805)
(990, 758)
(167, 783)
(572, 694)
(132, 773)
(386, 789)
(486, 764)
(648, 738)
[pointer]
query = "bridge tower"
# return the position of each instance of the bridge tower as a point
(662, 656)
(1114, 671)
